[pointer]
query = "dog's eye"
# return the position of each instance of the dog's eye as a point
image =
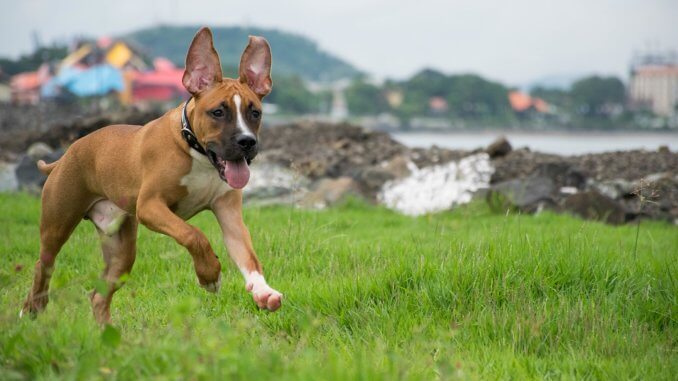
(256, 114)
(218, 113)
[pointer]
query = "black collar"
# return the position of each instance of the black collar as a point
(187, 132)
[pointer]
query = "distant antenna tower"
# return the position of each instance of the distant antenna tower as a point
(35, 36)
(246, 22)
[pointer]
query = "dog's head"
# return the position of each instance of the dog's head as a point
(227, 112)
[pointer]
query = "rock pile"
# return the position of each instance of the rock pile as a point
(56, 125)
(614, 187)
(318, 164)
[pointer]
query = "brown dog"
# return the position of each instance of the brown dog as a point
(193, 158)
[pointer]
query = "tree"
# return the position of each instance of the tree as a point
(473, 96)
(594, 96)
(365, 99)
(31, 62)
(467, 95)
(292, 96)
(558, 97)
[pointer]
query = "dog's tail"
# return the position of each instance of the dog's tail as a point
(45, 168)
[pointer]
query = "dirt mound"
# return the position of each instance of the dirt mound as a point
(626, 165)
(327, 150)
(57, 125)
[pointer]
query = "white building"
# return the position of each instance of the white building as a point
(654, 83)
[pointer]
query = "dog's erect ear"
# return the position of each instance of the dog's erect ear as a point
(255, 66)
(203, 68)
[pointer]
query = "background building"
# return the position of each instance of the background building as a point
(654, 83)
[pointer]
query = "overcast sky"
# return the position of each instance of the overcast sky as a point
(515, 41)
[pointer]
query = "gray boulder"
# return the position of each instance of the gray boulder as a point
(498, 148)
(614, 189)
(562, 173)
(592, 205)
(329, 192)
(28, 176)
(39, 150)
(8, 180)
(528, 195)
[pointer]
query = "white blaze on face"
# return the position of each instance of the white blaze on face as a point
(240, 122)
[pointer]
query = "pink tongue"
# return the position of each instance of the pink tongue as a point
(237, 173)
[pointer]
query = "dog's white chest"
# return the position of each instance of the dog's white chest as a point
(203, 184)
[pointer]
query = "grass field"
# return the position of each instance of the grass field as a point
(369, 294)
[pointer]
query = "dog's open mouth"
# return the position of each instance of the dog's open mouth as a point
(235, 173)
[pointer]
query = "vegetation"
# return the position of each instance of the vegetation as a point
(293, 97)
(294, 55)
(32, 61)
(597, 96)
(465, 96)
(591, 102)
(364, 98)
(369, 294)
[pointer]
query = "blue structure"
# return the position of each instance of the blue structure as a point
(93, 81)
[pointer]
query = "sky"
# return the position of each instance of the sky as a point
(513, 41)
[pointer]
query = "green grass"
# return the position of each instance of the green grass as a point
(369, 294)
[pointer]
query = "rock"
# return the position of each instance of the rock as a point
(655, 197)
(592, 205)
(654, 177)
(8, 180)
(271, 183)
(400, 166)
(530, 195)
(28, 176)
(562, 173)
(627, 165)
(438, 188)
(371, 179)
(319, 150)
(519, 163)
(38, 151)
(57, 124)
(614, 189)
(329, 192)
(500, 147)
(426, 157)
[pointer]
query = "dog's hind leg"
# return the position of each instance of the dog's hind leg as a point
(61, 212)
(118, 235)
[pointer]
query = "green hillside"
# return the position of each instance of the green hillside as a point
(292, 54)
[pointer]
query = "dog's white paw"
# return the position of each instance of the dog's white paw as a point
(264, 296)
(214, 286)
(267, 298)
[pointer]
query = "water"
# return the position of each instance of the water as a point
(561, 143)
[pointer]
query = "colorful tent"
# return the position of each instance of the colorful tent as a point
(96, 80)
(162, 84)
(25, 87)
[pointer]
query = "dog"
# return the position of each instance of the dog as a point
(193, 158)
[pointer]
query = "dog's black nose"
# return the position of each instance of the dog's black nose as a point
(246, 142)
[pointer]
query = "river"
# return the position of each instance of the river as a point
(562, 143)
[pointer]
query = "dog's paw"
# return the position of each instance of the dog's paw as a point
(267, 298)
(264, 296)
(213, 286)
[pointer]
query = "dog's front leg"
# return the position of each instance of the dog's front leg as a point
(228, 210)
(156, 215)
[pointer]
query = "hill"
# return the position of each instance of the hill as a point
(292, 54)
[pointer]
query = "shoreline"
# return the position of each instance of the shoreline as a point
(525, 131)
(562, 143)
